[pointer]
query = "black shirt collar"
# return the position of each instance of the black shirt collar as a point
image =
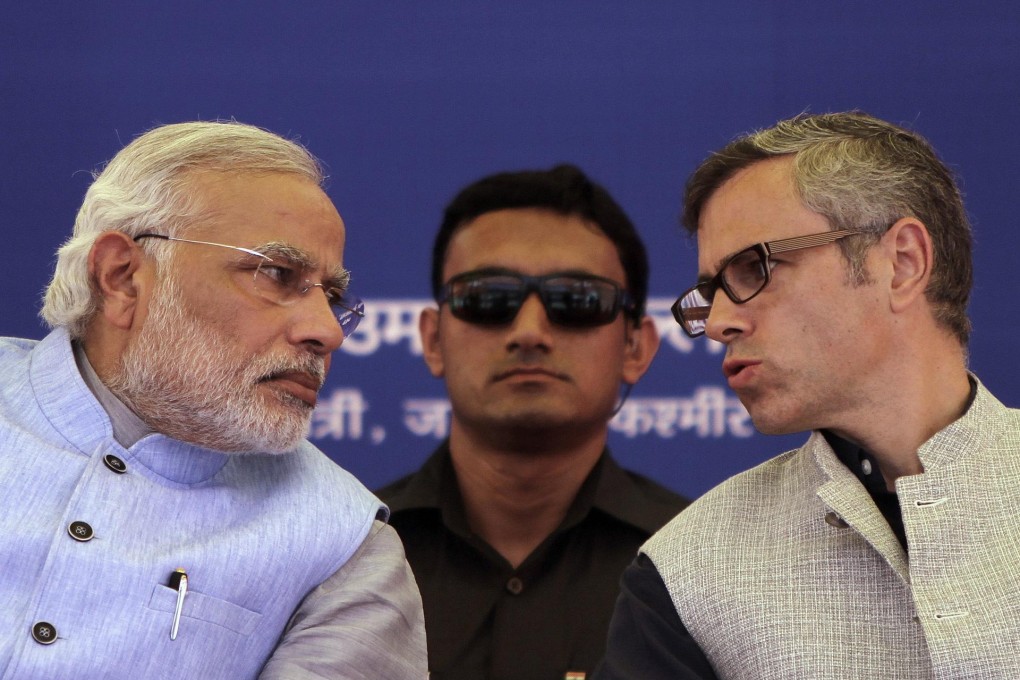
(608, 488)
(865, 468)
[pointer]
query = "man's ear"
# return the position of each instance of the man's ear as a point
(428, 327)
(114, 264)
(641, 346)
(909, 246)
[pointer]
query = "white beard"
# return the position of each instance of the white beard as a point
(185, 380)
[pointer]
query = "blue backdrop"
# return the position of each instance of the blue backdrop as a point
(406, 102)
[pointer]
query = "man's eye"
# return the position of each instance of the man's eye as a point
(748, 269)
(282, 274)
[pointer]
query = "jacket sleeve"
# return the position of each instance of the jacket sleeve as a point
(365, 622)
(647, 639)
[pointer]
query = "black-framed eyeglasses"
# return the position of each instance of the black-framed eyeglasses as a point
(493, 298)
(284, 281)
(742, 276)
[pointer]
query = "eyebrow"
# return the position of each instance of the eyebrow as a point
(702, 278)
(338, 276)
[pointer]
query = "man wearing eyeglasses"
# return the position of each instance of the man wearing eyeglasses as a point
(834, 259)
(163, 514)
(519, 526)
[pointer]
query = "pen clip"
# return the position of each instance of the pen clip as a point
(179, 582)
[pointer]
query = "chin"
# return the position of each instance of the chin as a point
(776, 423)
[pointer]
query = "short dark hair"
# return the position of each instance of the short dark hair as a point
(861, 173)
(563, 189)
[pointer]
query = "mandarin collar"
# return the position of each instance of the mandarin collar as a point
(76, 415)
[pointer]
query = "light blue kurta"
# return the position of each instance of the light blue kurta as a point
(255, 533)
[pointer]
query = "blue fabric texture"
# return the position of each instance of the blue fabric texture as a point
(255, 533)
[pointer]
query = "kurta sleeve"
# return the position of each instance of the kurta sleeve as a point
(365, 622)
(647, 639)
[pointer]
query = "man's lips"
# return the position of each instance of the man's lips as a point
(525, 372)
(739, 372)
(299, 384)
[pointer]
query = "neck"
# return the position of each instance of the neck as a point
(912, 404)
(516, 496)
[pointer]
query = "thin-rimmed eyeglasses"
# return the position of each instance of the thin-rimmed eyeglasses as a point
(284, 282)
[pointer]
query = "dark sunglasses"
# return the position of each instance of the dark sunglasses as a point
(494, 298)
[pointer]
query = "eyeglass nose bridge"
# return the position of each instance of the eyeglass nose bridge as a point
(308, 285)
(533, 285)
(347, 313)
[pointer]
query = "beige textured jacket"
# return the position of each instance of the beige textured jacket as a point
(789, 570)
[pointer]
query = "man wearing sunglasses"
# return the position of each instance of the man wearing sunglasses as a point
(519, 526)
(163, 515)
(834, 258)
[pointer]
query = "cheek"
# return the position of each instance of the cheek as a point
(461, 356)
(601, 362)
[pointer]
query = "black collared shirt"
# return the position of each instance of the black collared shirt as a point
(545, 619)
(865, 468)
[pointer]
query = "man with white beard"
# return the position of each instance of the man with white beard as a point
(163, 515)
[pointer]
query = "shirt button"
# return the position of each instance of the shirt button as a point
(44, 633)
(114, 463)
(80, 531)
(866, 466)
(515, 586)
(834, 520)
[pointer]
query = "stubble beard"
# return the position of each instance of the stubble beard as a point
(185, 379)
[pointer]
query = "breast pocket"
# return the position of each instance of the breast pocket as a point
(206, 608)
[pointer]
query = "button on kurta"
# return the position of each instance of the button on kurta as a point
(114, 463)
(80, 531)
(832, 519)
(515, 585)
(44, 633)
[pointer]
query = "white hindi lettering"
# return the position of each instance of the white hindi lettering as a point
(708, 413)
(387, 322)
(340, 416)
(427, 417)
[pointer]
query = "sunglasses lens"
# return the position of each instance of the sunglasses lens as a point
(580, 302)
(488, 300)
(568, 300)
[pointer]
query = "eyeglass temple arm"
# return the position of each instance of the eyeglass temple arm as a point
(809, 241)
(699, 313)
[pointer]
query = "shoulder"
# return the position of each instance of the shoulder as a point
(14, 348)
(309, 477)
(635, 498)
(420, 489)
(394, 493)
(768, 494)
(16, 357)
(656, 493)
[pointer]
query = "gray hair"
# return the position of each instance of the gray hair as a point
(862, 174)
(144, 188)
